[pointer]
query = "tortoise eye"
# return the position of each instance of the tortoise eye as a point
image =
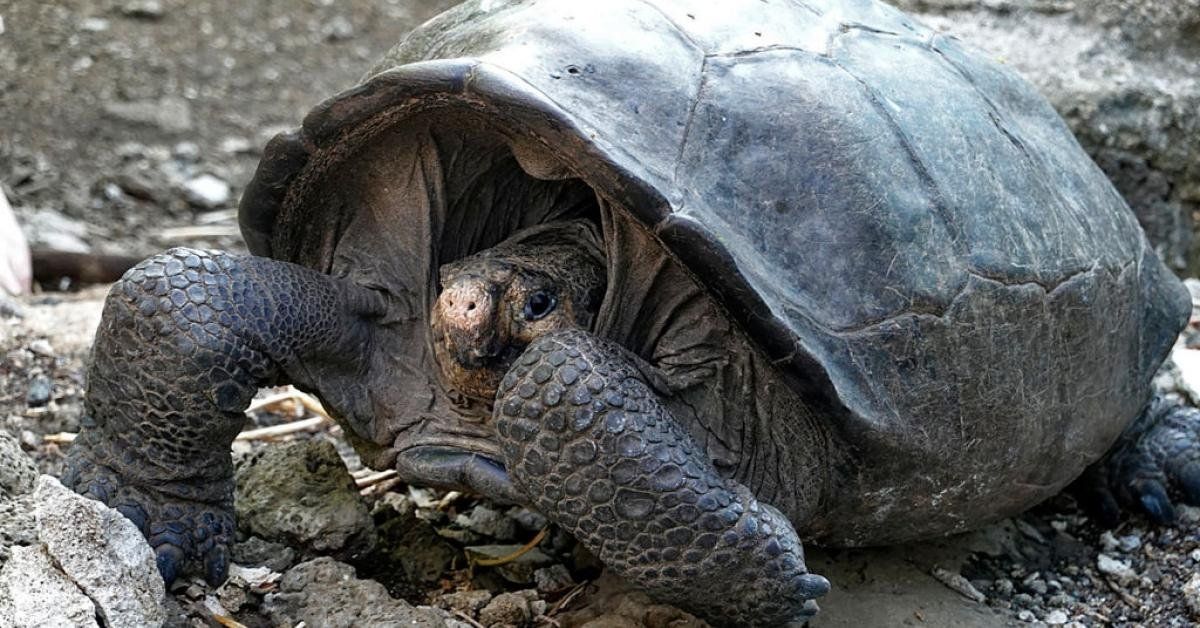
(539, 305)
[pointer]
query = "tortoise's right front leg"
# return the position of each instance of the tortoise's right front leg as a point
(186, 339)
(590, 443)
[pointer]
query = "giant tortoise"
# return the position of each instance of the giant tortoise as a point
(696, 280)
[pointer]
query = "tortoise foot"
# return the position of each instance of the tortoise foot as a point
(184, 523)
(589, 442)
(1154, 465)
(186, 340)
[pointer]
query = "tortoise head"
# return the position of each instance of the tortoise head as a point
(493, 304)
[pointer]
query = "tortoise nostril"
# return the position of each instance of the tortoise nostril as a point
(470, 306)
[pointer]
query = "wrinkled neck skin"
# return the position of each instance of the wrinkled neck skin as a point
(493, 304)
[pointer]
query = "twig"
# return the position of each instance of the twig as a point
(467, 618)
(283, 429)
(566, 599)
(1125, 596)
(308, 401)
(370, 479)
(382, 487)
(492, 562)
(198, 231)
(447, 499)
(60, 438)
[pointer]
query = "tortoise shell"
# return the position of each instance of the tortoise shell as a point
(903, 227)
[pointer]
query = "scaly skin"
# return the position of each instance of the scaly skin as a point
(588, 441)
(186, 340)
(1158, 454)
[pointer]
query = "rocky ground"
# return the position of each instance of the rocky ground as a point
(132, 125)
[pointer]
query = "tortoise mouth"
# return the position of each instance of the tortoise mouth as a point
(455, 467)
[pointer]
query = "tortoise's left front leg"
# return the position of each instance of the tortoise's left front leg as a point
(592, 446)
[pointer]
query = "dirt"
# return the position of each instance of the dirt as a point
(112, 109)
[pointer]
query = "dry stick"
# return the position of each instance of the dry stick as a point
(382, 487)
(467, 618)
(567, 599)
(492, 562)
(283, 429)
(369, 479)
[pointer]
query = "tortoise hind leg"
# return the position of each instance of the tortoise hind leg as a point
(1158, 456)
(186, 339)
(589, 442)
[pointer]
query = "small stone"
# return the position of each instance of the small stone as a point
(1191, 595)
(1109, 541)
(1026, 615)
(143, 9)
(1118, 569)
(1056, 618)
(529, 520)
(553, 579)
(338, 29)
(40, 389)
(186, 151)
(1195, 555)
(234, 145)
(469, 602)
(1003, 587)
(487, 522)
(1130, 543)
(42, 347)
(207, 191)
(94, 25)
(508, 609)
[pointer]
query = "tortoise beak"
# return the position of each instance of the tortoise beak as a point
(466, 316)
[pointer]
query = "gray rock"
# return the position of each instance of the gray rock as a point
(102, 552)
(301, 494)
(18, 473)
(324, 592)
(40, 389)
(33, 592)
(143, 9)
(256, 552)
(170, 114)
(207, 191)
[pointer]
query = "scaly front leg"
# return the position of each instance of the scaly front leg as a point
(186, 340)
(591, 445)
